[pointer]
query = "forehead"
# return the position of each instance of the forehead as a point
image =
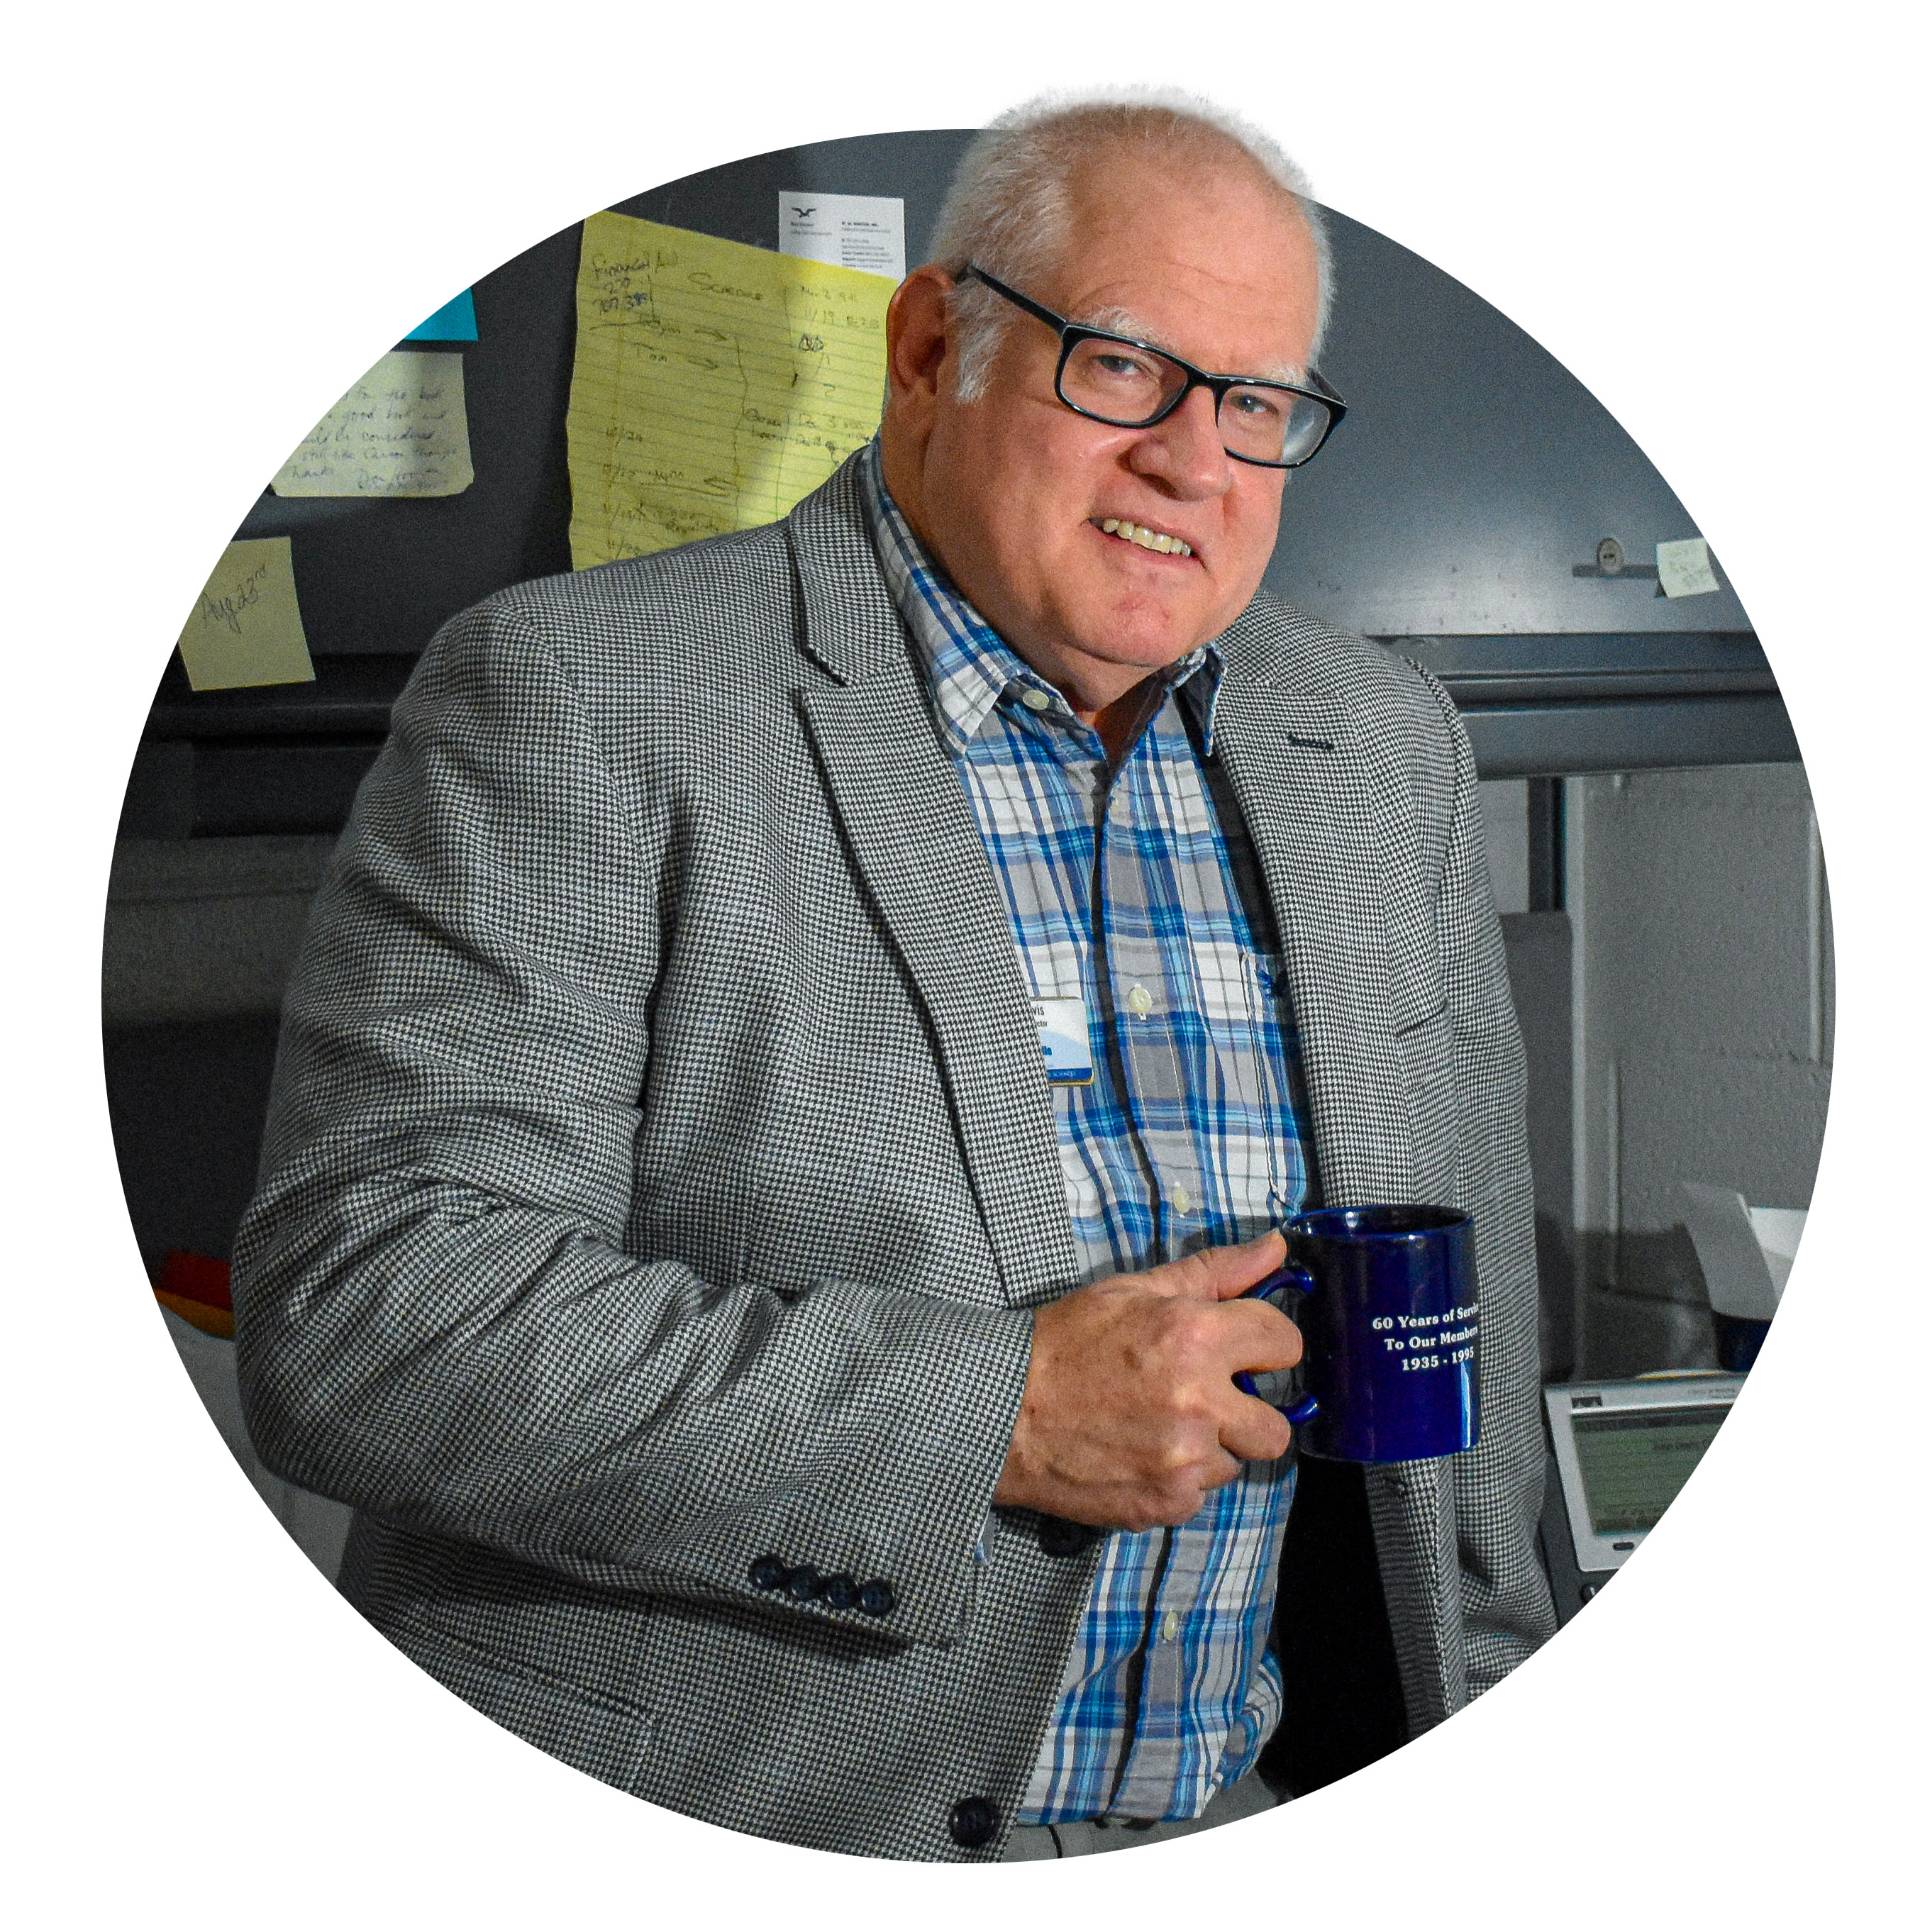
(1210, 261)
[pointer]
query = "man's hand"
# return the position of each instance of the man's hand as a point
(1131, 1416)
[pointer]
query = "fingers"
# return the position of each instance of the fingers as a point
(1224, 1273)
(1263, 1339)
(1252, 1430)
(1130, 1415)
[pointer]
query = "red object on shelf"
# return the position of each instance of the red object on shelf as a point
(196, 1276)
(214, 1320)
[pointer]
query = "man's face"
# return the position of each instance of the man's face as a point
(1011, 489)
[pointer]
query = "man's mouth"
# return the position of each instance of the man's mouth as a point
(1148, 537)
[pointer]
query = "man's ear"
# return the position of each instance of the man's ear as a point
(919, 350)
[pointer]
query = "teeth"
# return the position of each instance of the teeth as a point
(1145, 537)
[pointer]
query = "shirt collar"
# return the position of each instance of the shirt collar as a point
(969, 669)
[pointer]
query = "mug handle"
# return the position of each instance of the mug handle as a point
(1288, 1279)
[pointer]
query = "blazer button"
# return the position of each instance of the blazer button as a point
(842, 1590)
(973, 1821)
(804, 1583)
(1062, 1539)
(876, 1598)
(768, 1572)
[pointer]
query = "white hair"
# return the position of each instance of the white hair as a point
(1009, 207)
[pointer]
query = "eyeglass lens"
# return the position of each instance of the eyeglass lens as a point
(1128, 386)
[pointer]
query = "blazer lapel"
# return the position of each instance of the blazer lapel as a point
(916, 846)
(1294, 760)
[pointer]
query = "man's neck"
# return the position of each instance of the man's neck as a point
(1119, 720)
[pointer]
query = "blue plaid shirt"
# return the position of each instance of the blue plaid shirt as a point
(1132, 887)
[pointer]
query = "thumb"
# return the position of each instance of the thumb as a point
(1223, 1273)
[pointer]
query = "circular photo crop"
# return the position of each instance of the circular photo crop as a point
(968, 996)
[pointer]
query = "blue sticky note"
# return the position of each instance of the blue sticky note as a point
(454, 321)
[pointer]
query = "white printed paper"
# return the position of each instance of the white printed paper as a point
(1684, 568)
(1744, 1273)
(1778, 1231)
(1064, 1042)
(864, 231)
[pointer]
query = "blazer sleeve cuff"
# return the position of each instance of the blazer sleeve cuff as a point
(887, 1543)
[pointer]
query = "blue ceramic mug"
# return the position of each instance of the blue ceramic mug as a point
(1388, 1310)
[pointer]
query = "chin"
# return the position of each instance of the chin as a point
(1150, 652)
(1154, 634)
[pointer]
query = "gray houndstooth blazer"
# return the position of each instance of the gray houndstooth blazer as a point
(660, 1165)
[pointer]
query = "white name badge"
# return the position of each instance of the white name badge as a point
(1063, 1040)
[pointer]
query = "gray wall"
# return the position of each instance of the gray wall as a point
(200, 939)
(1703, 1033)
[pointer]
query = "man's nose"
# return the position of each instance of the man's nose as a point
(1184, 451)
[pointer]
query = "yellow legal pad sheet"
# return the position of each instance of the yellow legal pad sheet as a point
(398, 433)
(714, 385)
(245, 629)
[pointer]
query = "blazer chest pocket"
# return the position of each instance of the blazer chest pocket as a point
(1433, 1113)
(602, 1736)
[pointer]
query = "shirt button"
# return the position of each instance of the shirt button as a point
(1037, 700)
(1170, 1626)
(1182, 1200)
(1140, 1001)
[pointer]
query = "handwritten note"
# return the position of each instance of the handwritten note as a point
(714, 385)
(1684, 568)
(245, 630)
(399, 432)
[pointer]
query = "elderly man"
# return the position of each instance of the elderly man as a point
(766, 1378)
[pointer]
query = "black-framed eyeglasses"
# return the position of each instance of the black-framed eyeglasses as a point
(1126, 383)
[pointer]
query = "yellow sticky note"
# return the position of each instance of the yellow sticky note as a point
(714, 385)
(399, 431)
(244, 630)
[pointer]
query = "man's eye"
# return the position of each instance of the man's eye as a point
(1251, 404)
(1121, 366)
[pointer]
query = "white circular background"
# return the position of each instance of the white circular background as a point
(232, 211)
